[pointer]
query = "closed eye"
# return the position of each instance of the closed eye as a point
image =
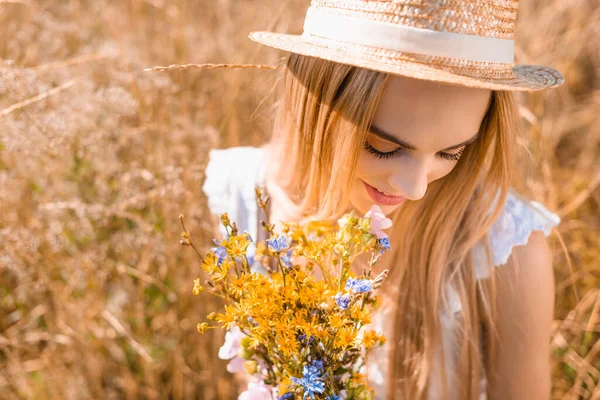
(382, 154)
(389, 154)
(387, 139)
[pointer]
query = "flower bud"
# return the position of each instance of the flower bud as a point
(202, 327)
(197, 287)
(225, 219)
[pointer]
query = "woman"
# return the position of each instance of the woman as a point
(408, 105)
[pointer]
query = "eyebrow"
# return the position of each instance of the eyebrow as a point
(391, 138)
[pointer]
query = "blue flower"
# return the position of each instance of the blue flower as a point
(383, 244)
(278, 244)
(342, 300)
(302, 339)
(318, 364)
(249, 236)
(287, 259)
(221, 254)
(333, 397)
(359, 285)
(312, 382)
(287, 396)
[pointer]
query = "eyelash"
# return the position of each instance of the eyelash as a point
(380, 154)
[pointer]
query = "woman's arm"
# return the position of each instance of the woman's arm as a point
(525, 304)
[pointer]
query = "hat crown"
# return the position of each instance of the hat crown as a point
(486, 18)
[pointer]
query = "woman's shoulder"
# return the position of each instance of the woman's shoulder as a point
(517, 221)
(231, 176)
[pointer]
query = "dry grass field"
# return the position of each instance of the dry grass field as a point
(98, 158)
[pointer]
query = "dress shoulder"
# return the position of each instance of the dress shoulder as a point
(519, 218)
(231, 177)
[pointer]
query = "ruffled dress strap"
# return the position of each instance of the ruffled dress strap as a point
(517, 221)
(231, 177)
(519, 218)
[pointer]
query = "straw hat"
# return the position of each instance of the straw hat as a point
(463, 42)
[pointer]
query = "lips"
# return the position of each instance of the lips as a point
(382, 198)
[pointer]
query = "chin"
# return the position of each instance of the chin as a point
(388, 210)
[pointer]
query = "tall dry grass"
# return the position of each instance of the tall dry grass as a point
(98, 158)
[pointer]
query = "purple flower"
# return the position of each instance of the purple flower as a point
(342, 300)
(278, 244)
(359, 285)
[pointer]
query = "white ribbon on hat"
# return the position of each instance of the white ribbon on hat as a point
(408, 39)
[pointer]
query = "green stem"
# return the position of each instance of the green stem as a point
(281, 269)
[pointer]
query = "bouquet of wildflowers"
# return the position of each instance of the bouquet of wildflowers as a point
(295, 314)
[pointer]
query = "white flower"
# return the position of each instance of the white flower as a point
(231, 349)
(342, 222)
(256, 391)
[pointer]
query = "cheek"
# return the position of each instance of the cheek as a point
(440, 170)
(368, 166)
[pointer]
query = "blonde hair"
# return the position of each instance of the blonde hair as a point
(321, 124)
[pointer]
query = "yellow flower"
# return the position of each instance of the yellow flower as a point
(285, 384)
(319, 332)
(320, 228)
(227, 320)
(335, 321)
(372, 339)
(197, 287)
(210, 263)
(299, 320)
(253, 343)
(359, 315)
(345, 337)
(358, 378)
(238, 286)
(288, 345)
(237, 245)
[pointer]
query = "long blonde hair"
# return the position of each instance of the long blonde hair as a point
(321, 124)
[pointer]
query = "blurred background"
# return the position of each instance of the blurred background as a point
(98, 158)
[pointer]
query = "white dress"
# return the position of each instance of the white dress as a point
(232, 174)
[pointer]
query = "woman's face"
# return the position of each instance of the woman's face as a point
(419, 132)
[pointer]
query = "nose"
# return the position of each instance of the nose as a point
(411, 179)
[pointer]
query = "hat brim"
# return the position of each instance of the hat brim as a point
(523, 77)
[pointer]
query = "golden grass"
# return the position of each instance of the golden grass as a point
(98, 158)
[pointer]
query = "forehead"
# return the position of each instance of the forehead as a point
(422, 108)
